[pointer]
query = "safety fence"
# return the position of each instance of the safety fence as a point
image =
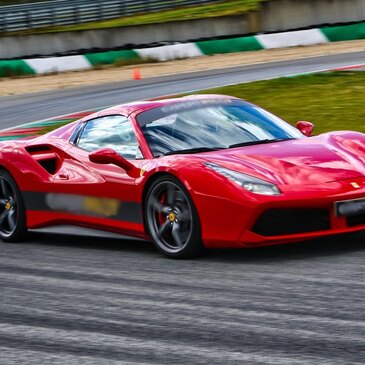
(64, 12)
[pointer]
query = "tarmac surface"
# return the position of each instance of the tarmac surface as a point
(92, 300)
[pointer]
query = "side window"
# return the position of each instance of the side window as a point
(75, 134)
(114, 132)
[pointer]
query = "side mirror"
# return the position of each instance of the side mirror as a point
(109, 156)
(305, 127)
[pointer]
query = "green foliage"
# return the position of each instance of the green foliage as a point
(332, 101)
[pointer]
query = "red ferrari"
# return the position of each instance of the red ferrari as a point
(189, 173)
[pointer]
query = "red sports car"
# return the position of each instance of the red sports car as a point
(189, 173)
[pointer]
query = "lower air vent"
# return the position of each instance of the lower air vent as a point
(356, 221)
(281, 222)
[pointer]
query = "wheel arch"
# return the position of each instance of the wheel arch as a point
(149, 183)
(5, 168)
(13, 172)
(14, 207)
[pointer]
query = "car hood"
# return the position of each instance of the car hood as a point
(325, 158)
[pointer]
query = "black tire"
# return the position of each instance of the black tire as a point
(13, 226)
(171, 219)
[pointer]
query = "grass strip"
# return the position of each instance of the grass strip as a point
(332, 101)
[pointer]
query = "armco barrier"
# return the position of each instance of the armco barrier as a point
(230, 45)
(184, 50)
(108, 58)
(15, 68)
(345, 33)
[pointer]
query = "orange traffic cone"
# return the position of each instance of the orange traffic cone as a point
(137, 74)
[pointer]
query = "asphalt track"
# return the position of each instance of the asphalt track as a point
(67, 299)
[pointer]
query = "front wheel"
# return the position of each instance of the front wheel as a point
(171, 219)
(12, 210)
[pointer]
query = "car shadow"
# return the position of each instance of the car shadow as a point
(100, 241)
(304, 250)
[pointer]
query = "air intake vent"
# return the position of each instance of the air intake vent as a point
(45, 157)
(38, 148)
(280, 222)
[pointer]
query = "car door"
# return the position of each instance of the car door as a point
(101, 194)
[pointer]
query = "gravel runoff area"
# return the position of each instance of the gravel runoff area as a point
(13, 86)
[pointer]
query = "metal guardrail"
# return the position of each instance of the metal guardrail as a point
(64, 12)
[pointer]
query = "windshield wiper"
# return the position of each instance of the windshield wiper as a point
(259, 141)
(194, 150)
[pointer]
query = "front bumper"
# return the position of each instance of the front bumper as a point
(300, 213)
(306, 212)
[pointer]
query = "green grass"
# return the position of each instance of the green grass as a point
(223, 8)
(332, 101)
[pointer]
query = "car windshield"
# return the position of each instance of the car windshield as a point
(204, 125)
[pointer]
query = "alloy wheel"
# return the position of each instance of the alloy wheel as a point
(170, 217)
(8, 208)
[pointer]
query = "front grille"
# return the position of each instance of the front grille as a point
(279, 222)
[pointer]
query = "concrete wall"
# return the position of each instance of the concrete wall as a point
(52, 43)
(280, 15)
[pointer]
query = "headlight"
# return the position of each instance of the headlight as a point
(249, 183)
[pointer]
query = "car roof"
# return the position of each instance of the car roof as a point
(144, 105)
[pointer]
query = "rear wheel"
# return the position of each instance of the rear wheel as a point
(12, 210)
(171, 219)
